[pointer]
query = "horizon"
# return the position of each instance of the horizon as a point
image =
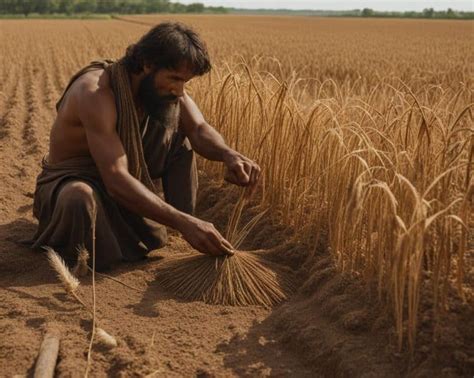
(343, 5)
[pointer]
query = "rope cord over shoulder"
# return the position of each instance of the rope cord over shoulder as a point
(128, 127)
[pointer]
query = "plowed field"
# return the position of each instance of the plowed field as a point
(337, 324)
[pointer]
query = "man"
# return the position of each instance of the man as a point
(121, 126)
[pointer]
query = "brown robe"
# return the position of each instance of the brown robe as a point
(65, 220)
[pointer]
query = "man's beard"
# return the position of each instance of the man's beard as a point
(164, 109)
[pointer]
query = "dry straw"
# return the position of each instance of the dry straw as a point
(242, 279)
(82, 268)
(71, 284)
(89, 352)
(239, 280)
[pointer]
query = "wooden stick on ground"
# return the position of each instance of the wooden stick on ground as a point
(48, 354)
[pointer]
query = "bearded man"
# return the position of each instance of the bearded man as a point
(121, 126)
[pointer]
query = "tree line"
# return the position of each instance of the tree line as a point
(69, 7)
(426, 13)
(26, 7)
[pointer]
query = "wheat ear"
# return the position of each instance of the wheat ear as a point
(68, 280)
(81, 268)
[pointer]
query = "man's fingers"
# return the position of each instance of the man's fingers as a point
(227, 244)
(257, 173)
(212, 249)
(254, 176)
(248, 165)
(254, 179)
(243, 173)
(232, 178)
(224, 246)
(227, 247)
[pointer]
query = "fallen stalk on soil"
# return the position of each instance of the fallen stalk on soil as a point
(47, 356)
(71, 284)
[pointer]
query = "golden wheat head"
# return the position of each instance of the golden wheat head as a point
(68, 280)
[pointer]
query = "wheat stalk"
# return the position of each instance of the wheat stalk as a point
(243, 279)
(89, 352)
(70, 283)
(81, 268)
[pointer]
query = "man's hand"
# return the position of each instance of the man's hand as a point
(204, 237)
(241, 170)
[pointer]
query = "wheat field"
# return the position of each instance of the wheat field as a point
(363, 128)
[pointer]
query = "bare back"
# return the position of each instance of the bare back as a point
(68, 136)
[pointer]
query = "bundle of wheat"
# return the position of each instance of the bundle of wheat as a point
(241, 279)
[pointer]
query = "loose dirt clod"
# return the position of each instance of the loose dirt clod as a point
(105, 339)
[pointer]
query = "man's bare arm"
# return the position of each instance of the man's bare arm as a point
(207, 142)
(96, 107)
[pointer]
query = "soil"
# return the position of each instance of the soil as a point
(156, 333)
(330, 327)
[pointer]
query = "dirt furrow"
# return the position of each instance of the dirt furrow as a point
(50, 93)
(9, 96)
(33, 115)
(13, 173)
(60, 78)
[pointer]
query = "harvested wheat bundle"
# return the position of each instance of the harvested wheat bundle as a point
(242, 279)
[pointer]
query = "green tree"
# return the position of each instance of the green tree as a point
(195, 8)
(85, 6)
(177, 8)
(217, 9)
(25, 7)
(41, 6)
(130, 6)
(367, 12)
(156, 6)
(66, 6)
(106, 6)
(8, 6)
(428, 12)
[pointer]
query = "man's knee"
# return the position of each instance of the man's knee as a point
(76, 195)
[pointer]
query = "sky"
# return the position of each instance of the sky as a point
(382, 5)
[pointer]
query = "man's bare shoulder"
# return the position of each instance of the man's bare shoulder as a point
(95, 100)
(94, 84)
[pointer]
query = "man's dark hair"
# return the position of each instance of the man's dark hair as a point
(169, 45)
